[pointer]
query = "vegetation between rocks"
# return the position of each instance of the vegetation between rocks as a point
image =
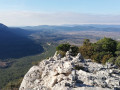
(104, 50)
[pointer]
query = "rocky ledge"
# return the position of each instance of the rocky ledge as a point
(71, 73)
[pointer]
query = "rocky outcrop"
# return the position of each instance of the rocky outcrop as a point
(71, 73)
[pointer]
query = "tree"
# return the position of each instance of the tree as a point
(101, 57)
(106, 58)
(117, 62)
(86, 42)
(112, 60)
(117, 53)
(107, 44)
(97, 47)
(118, 46)
(87, 49)
(63, 47)
(75, 50)
(96, 58)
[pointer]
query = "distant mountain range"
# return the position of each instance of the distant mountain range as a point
(14, 43)
(108, 28)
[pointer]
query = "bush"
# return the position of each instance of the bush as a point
(117, 53)
(118, 46)
(100, 52)
(75, 50)
(62, 53)
(63, 47)
(87, 49)
(96, 58)
(112, 60)
(117, 62)
(106, 58)
(101, 57)
(86, 42)
(107, 44)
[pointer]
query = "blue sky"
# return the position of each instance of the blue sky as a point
(81, 12)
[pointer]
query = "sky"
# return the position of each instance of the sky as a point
(59, 12)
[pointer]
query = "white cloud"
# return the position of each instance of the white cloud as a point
(35, 18)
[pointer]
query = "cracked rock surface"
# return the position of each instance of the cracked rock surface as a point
(71, 73)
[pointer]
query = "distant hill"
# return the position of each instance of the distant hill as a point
(107, 28)
(14, 43)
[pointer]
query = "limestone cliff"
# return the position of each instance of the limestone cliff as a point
(71, 73)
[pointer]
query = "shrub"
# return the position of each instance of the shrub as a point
(63, 47)
(86, 42)
(118, 46)
(107, 44)
(117, 53)
(96, 58)
(62, 53)
(117, 62)
(112, 60)
(75, 50)
(106, 58)
(87, 49)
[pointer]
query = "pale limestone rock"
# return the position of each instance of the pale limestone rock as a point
(57, 73)
(57, 56)
(53, 81)
(60, 77)
(68, 55)
(28, 81)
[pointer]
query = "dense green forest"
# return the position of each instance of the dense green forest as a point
(11, 77)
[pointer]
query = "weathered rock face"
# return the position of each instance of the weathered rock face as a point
(71, 73)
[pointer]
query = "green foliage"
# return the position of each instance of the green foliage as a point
(96, 57)
(117, 62)
(87, 49)
(75, 50)
(118, 46)
(97, 47)
(35, 62)
(63, 47)
(86, 42)
(101, 51)
(107, 44)
(117, 53)
(13, 85)
(20, 66)
(112, 60)
(62, 53)
(106, 58)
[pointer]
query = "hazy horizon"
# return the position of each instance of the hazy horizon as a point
(59, 12)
